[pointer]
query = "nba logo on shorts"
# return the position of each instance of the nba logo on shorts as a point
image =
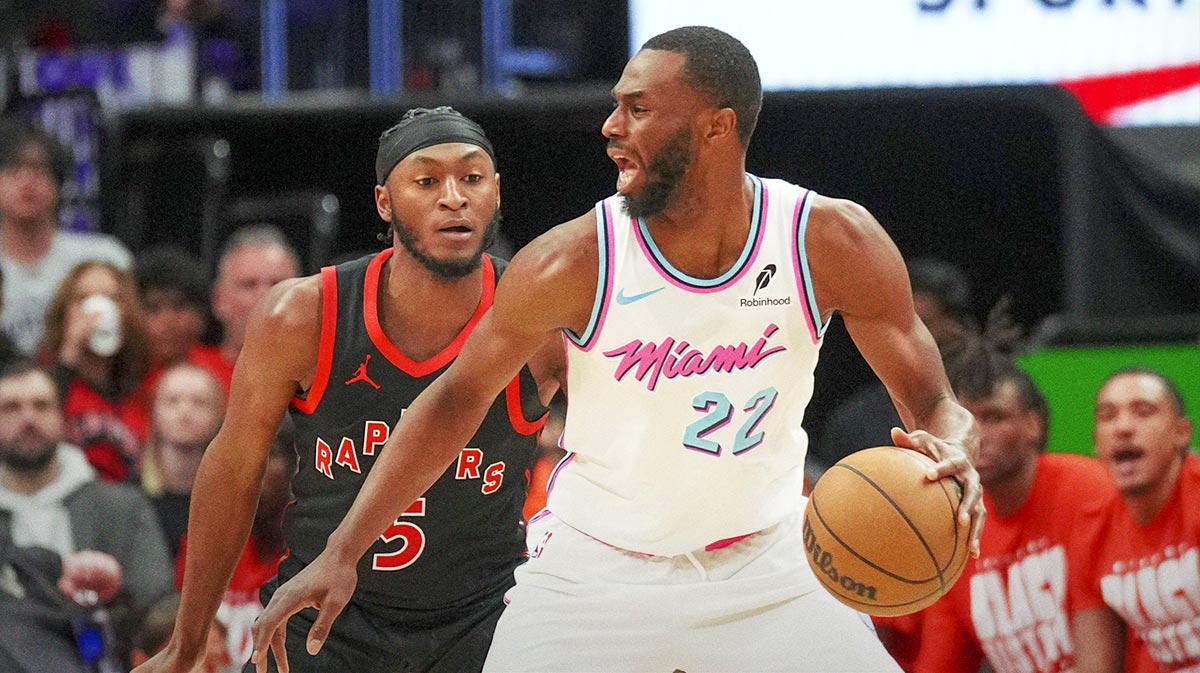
(537, 551)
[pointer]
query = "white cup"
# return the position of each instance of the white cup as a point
(105, 339)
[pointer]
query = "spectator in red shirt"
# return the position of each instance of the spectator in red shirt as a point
(103, 380)
(1009, 607)
(254, 259)
(174, 291)
(1136, 591)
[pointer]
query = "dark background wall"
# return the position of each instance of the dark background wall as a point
(968, 175)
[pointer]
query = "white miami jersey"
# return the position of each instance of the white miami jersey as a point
(686, 394)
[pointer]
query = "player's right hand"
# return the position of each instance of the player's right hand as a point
(326, 585)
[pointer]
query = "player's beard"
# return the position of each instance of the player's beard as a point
(664, 174)
(446, 269)
(28, 460)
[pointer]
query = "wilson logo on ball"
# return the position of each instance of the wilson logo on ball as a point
(823, 561)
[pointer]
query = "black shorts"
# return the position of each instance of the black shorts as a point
(370, 639)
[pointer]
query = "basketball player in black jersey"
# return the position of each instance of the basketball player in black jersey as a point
(342, 352)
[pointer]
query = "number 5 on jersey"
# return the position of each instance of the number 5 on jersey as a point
(718, 412)
(410, 533)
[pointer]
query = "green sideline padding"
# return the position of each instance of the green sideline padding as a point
(1070, 377)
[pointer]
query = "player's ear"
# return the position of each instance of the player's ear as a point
(1034, 427)
(383, 203)
(722, 125)
(497, 190)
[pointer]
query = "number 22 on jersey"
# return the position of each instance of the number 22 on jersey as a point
(718, 412)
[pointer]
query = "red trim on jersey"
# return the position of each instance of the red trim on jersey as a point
(389, 350)
(329, 312)
(512, 399)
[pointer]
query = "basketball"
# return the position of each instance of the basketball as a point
(880, 536)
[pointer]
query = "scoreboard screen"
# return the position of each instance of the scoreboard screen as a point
(1130, 62)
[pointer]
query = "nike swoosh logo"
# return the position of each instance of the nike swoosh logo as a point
(623, 299)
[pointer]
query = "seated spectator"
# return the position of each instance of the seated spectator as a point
(35, 255)
(101, 375)
(173, 289)
(36, 610)
(49, 496)
(152, 634)
(1009, 606)
(1135, 561)
(187, 411)
(254, 259)
(264, 550)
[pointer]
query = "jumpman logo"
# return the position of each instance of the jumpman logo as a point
(360, 374)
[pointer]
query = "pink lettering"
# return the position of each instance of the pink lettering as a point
(671, 359)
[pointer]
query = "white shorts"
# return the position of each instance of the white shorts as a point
(580, 605)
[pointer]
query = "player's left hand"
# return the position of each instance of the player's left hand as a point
(326, 585)
(952, 461)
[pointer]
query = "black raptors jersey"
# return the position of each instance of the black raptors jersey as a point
(465, 535)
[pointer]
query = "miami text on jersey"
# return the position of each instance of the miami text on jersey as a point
(673, 358)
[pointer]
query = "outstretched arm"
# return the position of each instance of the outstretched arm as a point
(858, 270)
(280, 351)
(545, 288)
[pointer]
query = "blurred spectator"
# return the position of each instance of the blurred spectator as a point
(221, 43)
(8, 350)
(101, 363)
(35, 255)
(152, 634)
(189, 404)
(56, 24)
(173, 288)
(1135, 560)
(1009, 606)
(36, 613)
(154, 629)
(254, 259)
(264, 549)
(941, 296)
(49, 496)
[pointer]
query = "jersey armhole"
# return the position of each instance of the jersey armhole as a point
(516, 411)
(604, 238)
(329, 309)
(812, 313)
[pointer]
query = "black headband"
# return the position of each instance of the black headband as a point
(426, 131)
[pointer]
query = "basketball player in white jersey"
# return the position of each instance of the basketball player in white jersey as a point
(693, 305)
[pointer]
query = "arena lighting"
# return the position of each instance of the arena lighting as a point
(1130, 62)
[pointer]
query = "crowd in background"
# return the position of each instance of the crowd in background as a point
(114, 378)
